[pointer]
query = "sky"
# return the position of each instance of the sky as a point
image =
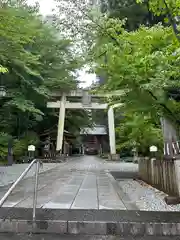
(46, 7)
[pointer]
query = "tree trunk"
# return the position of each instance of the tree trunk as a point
(169, 130)
(170, 136)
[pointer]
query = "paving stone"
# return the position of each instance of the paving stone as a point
(169, 229)
(178, 228)
(8, 174)
(153, 229)
(86, 199)
(126, 229)
(107, 196)
(87, 228)
(8, 225)
(137, 229)
(56, 227)
(45, 193)
(23, 226)
(53, 205)
(89, 182)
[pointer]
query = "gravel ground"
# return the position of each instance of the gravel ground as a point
(146, 197)
(9, 174)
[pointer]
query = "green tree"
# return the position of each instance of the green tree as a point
(168, 8)
(138, 131)
(136, 14)
(141, 65)
(39, 60)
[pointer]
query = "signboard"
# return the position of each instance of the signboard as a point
(31, 148)
(97, 130)
(153, 149)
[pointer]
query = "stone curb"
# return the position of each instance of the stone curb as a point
(123, 197)
(90, 215)
(90, 228)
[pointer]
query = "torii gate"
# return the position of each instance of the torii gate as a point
(64, 104)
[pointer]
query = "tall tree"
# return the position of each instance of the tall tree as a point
(169, 9)
(142, 66)
(138, 131)
(38, 60)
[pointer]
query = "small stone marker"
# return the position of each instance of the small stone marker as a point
(31, 151)
(153, 149)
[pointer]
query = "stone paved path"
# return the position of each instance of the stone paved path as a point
(9, 174)
(79, 183)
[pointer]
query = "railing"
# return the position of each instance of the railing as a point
(38, 163)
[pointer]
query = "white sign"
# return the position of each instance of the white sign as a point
(153, 149)
(31, 148)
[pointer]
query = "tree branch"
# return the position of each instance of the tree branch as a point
(165, 107)
(118, 44)
(172, 21)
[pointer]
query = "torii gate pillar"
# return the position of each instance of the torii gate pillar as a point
(112, 135)
(60, 131)
(112, 138)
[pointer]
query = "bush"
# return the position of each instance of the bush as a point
(4, 138)
(20, 146)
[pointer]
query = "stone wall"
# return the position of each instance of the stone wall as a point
(164, 175)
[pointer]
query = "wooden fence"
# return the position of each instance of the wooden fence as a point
(160, 174)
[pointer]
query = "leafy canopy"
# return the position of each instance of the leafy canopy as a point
(35, 60)
(140, 64)
(139, 132)
(143, 66)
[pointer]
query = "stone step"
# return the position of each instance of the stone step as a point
(54, 160)
(91, 222)
(7, 236)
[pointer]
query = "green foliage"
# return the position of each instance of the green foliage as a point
(138, 131)
(3, 69)
(160, 7)
(77, 119)
(4, 138)
(21, 145)
(135, 14)
(141, 65)
(168, 8)
(36, 59)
